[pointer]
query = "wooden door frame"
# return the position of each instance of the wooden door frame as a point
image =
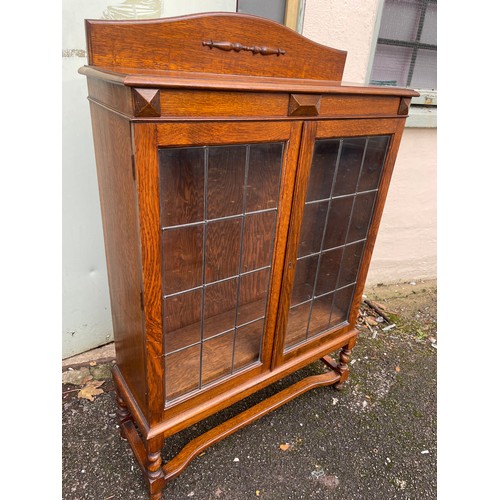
(331, 129)
(148, 138)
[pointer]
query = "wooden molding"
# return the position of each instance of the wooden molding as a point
(404, 105)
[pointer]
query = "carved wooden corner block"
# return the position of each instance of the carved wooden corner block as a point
(304, 105)
(146, 102)
(404, 106)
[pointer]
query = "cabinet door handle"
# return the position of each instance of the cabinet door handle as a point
(237, 47)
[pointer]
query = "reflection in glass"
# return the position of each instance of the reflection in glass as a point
(296, 328)
(182, 258)
(328, 271)
(350, 263)
(182, 372)
(220, 307)
(181, 185)
(361, 216)
(182, 320)
(341, 305)
(338, 221)
(333, 233)
(322, 169)
(226, 179)
(373, 162)
(258, 240)
(218, 215)
(351, 157)
(252, 296)
(248, 344)
(217, 357)
(303, 284)
(320, 314)
(311, 231)
(222, 249)
(262, 189)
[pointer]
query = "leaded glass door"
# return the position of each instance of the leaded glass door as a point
(335, 212)
(225, 195)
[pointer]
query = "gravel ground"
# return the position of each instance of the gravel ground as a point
(376, 439)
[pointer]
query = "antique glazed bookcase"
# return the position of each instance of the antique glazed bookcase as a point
(242, 185)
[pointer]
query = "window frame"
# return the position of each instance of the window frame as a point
(293, 15)
(423, 109)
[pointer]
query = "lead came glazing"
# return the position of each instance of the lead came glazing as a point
(217, 251)
(341, 195)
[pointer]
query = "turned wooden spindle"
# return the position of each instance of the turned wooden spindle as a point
(153, 465)
(343, 366)
(122, 413)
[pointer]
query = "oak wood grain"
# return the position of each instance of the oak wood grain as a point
(178, 44)
(140, 77)
(113, 148)
(146, 164)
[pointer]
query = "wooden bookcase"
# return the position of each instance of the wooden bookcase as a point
(242, 185)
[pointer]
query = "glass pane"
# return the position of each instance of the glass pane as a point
(400, 20)
(222, 250)
(320, 315)
(334, 232)
(350, 263)
(425, 72)
(351, 157)
(220, 307)
(258, 240)
(322, 169)
(311, 231)
(217, 357)
(328, 271)
(338, 222)
(373, 162)
(305, 273)
(181, 185)
(391, 65)
(247, 345)
(182, 258)
(182, 372)
(252, 296)
(429, 29)
(361, 216)
(274, 10)
(263, 176)
(182, 320)
(341, 305)
(296, 328)
(226, 178)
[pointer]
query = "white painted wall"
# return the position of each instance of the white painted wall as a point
(345, 26)
(406, 245)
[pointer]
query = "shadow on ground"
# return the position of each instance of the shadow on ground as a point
(374, 440)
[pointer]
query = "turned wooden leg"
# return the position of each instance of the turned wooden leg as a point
(343, 366)
(154, 471)
(122, 413)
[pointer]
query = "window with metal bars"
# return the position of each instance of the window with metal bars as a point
(406, 51)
